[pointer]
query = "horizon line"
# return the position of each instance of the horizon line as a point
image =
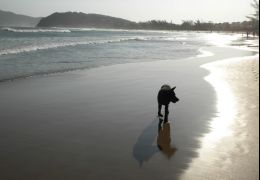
(168, 21)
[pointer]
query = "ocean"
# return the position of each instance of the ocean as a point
(102, 123)
(26, 52)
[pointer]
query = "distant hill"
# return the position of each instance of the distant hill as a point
(12, 19)
(75, 19)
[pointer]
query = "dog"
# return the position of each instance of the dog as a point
(166, 95)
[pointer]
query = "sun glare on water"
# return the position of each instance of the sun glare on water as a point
(220, 125)
(221, 39)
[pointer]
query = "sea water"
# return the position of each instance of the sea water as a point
(26, 52)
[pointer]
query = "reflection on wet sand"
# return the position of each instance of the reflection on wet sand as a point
(144, 149)
(164, 138)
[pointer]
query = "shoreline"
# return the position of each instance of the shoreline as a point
(96, 122)
(225, 38)
(230, 150)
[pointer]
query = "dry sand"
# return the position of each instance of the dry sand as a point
(101, 123)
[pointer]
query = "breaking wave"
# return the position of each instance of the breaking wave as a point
(25, 30)
(31, 48)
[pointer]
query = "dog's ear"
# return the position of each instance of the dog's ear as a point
(173, 88)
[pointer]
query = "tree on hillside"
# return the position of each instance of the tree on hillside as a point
(254, 18)
(187, 25)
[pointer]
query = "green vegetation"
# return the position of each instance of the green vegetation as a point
(254, 18)
(196, 26)
(73, 19)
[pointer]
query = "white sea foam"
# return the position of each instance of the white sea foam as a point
(31, 48)
(220, 39)
(25, 30)
(205, 53)
(97, 29)
(120, 30)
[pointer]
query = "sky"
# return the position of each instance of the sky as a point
(139, 10)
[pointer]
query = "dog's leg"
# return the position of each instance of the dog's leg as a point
(159, 110)
(166, 118)
(166, 110)
(166, 113)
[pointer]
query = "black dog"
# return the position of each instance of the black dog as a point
(165, 96)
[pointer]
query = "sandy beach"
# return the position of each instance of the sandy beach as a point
(102, 123)
(232, 145)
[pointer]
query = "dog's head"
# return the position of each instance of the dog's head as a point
(173, 97)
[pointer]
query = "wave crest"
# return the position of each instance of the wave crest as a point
(53, 45)
(64, 44)
(36, 30)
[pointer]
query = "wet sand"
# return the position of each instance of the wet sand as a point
(231, 149)
(101, 123)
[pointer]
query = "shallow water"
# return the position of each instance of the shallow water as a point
(29, 51)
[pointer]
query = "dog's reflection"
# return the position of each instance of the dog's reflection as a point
(144, 149)
(164, 138)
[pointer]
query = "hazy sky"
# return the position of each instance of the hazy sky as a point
(139, 10)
